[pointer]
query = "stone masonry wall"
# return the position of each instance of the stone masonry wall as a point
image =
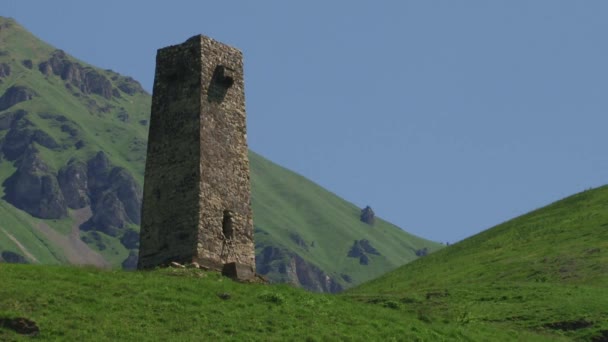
(197, 204)
(170, 200)
(225, 181)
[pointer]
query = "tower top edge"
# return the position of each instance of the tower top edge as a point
(203, 40)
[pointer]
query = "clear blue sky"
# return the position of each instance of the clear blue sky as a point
(447, 117)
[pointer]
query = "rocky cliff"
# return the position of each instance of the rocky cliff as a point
(14, 95)
(112, 192)
(283, 265)
(34, 188)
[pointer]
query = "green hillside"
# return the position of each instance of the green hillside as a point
(47, 118)
(293, 213)
(539, 277)
(84, 304)
(72, 153)
(544, 271)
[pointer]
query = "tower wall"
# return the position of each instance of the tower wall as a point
(197, 204)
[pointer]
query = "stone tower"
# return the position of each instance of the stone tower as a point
(197, 203)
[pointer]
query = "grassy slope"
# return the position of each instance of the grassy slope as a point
(545, 267)
(80, 304)
(283, 201)
(99, 132)
(102, 131)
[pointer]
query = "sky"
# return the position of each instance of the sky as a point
(446, 117)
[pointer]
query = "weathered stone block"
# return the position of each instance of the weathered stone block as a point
(238, 271)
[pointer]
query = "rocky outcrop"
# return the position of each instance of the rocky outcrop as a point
(98, 170)
(108, 214)
(14, 95)
(13, 258)
(86, 79)
(7, 119)
(361, 249)
(122, 115)
(114, 195)
(313, 278)
(27, 63)
(21, 136)
(73, 181)
(5, 70)
(130, 263)
(72, 130)
(130, 239)
(129, 86)
(422, 252)
(368, 216)
(34, 188)
(286, 266)
(128, 192)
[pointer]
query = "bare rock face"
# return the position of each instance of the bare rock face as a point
(130, 86)
(98, 170)
(7, 119)
(114, 195)
(108, 214)
(34, 188)
(295, 270)
(368, 216)
(130, 263)
(27, 63)
(130, 239)
(14, 95)
(312, 278)
(73, 180)
(5, 70)
(87, 79)
(128, 192)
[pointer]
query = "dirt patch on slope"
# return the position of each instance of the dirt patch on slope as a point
(75, 250)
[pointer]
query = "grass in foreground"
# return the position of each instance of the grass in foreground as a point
(83, 304)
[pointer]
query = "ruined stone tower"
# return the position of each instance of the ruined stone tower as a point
(197, 204)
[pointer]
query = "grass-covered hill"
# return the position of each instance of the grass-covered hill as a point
(539, 277)
(72, 154)
(302, 227)
(86, 304)
(546, 271)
